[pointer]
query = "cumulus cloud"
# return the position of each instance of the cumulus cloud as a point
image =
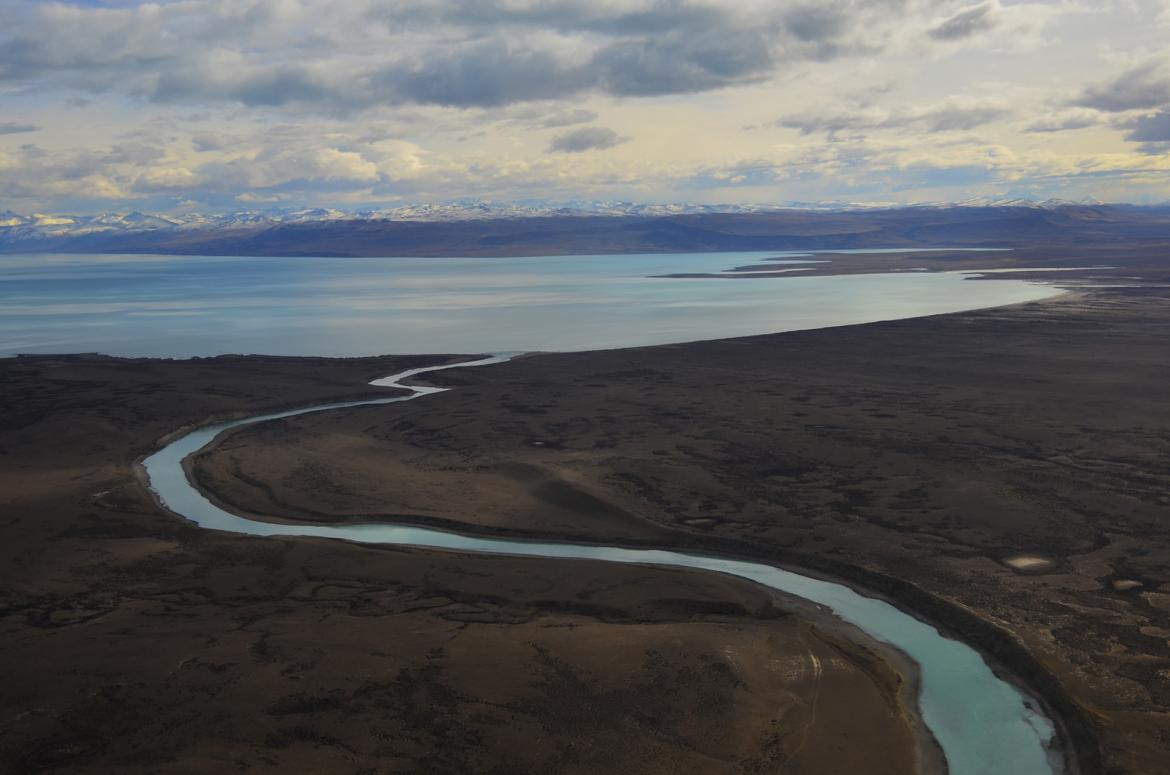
(681, 64)
(287, 164)
(335, 164)
(164, 179)
(591, 138)
(274, 162)
(485, 75)
(334, 101)
(337, 57)
(1140, 88)
(1153, 128)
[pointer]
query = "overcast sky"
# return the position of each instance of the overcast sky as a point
(220, 105)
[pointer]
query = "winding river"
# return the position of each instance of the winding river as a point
(983, 723)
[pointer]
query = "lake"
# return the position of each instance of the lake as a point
(140, 305)
(183, 306)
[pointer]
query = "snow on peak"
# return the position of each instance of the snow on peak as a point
(38, 226)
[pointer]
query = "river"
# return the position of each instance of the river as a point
(983, 723)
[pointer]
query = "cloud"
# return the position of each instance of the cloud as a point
(13, 128)
(956, 114)
(1153, 128)
(1143, 87)
(816, 22)
(590, 138)
(928, 177)
(251, 197)
(484, 75)
(967, 22)
(682, 64)
(288, 161)
(207, 141)
(747, 173)
(949, 118)
(219, 76)
(332, 57)
(566, 17)
(566, 118)
(1065, 121)
(334, 164)
(336, 101)
(165, 179)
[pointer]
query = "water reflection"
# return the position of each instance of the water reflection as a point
(181, 306)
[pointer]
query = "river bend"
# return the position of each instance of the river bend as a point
(984, 724)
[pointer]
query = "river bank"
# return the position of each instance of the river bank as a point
(917, 457)
(999, 471)
(135, 642)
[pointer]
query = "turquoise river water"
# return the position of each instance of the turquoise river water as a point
(984, 724)
(171, 306)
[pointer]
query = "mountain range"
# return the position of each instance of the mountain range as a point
(487, 228)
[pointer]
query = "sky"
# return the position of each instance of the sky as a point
(222, 105)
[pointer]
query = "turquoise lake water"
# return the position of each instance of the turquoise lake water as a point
(193, 306)
(182, 306)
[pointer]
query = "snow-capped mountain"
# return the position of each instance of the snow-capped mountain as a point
(15, 227)
(462, 228)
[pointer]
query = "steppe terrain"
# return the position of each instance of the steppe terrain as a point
(135, 642)
(1002, 471)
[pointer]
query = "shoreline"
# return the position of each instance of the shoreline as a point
(834, 265)
(1000, 649)
(1060, 291)
(954, 617)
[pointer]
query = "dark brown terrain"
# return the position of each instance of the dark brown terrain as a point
(135, 642)
(1004, 471)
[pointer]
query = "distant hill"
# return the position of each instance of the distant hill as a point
(483, 230)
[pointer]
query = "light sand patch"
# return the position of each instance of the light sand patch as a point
(1028, 562)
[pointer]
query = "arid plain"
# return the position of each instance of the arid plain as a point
(134, 642)
(1001, 472)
